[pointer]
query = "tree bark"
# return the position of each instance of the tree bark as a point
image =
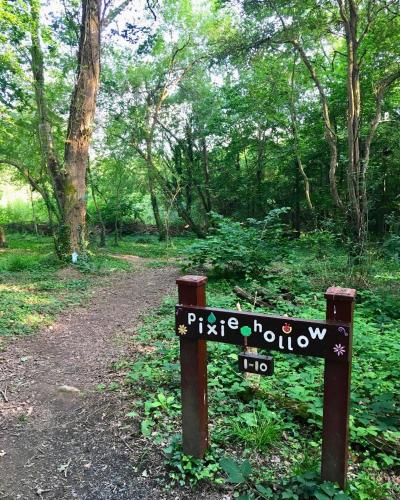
(206, 173)
(82, 110)
(102, 243)
(295, 134)
(330, 134)
(349, 16)
(148, 157)
(3, 240)
(50, 160)
(34, 220)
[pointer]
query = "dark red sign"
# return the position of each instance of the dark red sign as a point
(324, 339)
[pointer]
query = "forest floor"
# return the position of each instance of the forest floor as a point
(105, 329)
(62, 436)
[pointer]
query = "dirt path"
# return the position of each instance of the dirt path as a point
(62, 444)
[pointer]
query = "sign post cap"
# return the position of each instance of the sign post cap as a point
(339, 293)
(192, 280)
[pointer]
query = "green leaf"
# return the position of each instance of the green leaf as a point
(246, 468)
(321, 496)
(145, 427)
(265, 492)
(232, 469)
(328, 488)
(211, 318)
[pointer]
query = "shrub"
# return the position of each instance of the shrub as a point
(18, 263)
(236, 249)
(391, 247)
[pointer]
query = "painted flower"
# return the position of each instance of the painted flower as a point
(182, 330)
(339, 349)
(287, 328)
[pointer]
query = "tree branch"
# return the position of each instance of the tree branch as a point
(107, 19)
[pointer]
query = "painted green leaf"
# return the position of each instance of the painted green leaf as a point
(245, 331)
(211, 318)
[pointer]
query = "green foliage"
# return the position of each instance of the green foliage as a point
(236, 249)
(148, 246)
(35, 286)
(101, 264)
(185, 469)
(258, 430)
(18, 263)
(269, 431)
(305, 486)
(237, 474)
(391, 246)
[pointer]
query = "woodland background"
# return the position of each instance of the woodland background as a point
(236, 108)
(253, 141)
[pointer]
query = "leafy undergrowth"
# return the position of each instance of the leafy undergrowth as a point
(35, 285)
(266, 433)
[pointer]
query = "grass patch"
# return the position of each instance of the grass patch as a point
(148, 246)
(35, 286)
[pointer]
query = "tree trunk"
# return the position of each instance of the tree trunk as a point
(3, 240)
(295, 134)
(206, 173)
(330, 134)
(258, 201)
(102, 243)
(189, 173)
(49, 156)
(162, 234)
(349, 15)
(34, 220)
(79, 131)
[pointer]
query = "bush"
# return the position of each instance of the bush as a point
(391, 247)
(236, 249)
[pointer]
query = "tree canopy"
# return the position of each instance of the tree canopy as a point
(190, 108)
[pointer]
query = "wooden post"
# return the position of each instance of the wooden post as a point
(193, 357)
(337, 376)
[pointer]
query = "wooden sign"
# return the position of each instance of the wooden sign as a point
(324, 339)
(250, 362)
(330, 339)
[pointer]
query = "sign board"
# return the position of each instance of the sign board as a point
(330, 339)
(250, 362)
(324, 339)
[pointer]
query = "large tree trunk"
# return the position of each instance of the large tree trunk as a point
(358, 162)
(79, 131)
(359, 217)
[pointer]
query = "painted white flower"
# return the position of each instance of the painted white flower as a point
(182, 330)
(339, 349)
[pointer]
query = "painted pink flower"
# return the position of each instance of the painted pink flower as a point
(339, 349)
